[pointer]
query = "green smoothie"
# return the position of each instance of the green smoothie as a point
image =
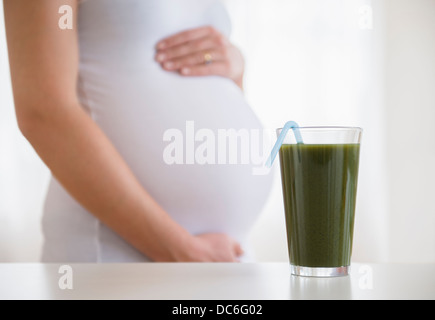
(319, 186)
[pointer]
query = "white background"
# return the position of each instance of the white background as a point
(315, 62)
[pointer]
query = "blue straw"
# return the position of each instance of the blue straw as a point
(289, 125)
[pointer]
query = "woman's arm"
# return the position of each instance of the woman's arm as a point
(44, 69)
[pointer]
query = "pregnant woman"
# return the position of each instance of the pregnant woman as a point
(96, 100)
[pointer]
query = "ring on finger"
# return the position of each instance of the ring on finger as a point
(208, 58)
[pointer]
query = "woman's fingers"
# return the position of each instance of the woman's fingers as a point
(219, 68)
(216, 247)
(238, 249)
(189, 48)
(201, 52)
(186, 36)
(196, 58)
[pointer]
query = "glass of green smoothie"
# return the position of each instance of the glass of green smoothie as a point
(319, 181)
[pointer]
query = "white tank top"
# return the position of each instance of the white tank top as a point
(136, 104)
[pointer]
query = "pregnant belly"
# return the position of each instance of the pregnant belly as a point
(160, 124)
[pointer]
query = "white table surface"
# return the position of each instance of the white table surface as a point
(219, 281)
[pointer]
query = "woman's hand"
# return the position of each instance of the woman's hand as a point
(202, 51)
(212, 247)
